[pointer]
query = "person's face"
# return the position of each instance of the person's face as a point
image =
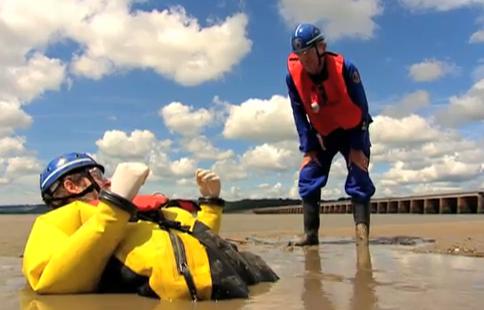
(99, 178)
(76, 187)
(310, 58)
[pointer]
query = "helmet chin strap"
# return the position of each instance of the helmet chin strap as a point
(320, 56)
(86, 191)
(92, 187)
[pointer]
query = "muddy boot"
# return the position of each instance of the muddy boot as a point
(361, 234)
(307, 239)
(363, 257)
(361, 215)
(311, 224)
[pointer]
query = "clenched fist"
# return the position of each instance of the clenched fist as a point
(208, 183)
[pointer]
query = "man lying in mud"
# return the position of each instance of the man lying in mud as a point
(103, 237)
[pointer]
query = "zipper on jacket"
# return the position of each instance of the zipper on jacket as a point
(182, 264)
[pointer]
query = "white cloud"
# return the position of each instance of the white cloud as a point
(12, 145)
(270, 157)
(410, 129)
(333, 192)
(261, 120)
(440, 5)
(93, 68)
(477, 37)
(184, 120)
(445, 162)
(153, 39)
(266, 190)
(138, 144)
(230, 169)
(466, 108)
(294, 190)
(202, 148)
(22, 165)
(419, 155)
(430, 70)
(183, 167)
(12, 117)
(233, 193)
(27, 79)
(111, 32)
(445, 169)
(38, 75)
(186, 182)
(408, 105)
(338, 18)
(160, 165)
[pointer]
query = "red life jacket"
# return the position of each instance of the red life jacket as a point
(335, 111)
(147, 203)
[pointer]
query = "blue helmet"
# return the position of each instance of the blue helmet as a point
(62, 165)
(304, 37)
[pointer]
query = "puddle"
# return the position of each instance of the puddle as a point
(318, 277)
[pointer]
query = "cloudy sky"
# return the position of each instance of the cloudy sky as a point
(188, 84)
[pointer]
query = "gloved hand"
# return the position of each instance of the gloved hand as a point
(128, 178)
(208, 183)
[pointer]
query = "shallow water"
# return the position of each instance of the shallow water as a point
(324, 277)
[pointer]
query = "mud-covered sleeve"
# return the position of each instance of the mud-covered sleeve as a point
(67, 249)
(307, 135)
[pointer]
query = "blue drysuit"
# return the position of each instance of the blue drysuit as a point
(312, 176)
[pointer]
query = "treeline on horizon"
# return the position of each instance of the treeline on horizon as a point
(248, 204)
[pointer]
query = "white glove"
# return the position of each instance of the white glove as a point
(208, 183)
(128, 178)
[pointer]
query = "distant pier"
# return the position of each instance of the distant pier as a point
(448, 203)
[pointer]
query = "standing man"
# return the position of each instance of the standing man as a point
(331, 115)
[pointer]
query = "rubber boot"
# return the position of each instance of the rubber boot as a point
(363, 257)
(311, 224)
(361, 215)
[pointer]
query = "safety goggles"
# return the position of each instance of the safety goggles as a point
(97, 174)
(304, 51)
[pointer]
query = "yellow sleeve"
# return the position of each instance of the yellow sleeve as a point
(210, 215)
(68, 248)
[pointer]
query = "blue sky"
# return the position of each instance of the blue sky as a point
(187, 84)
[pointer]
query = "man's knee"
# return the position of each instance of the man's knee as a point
(359, 185)
(311, 189)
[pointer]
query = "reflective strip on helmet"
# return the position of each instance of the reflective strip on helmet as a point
(77, 161)
(297, 29)
(319, 36)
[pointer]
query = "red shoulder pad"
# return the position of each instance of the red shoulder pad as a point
(186, 204)
(146, 203)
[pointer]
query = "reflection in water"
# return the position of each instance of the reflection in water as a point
(32, 301)
(364, 284)
(321, 277)
(313, 295)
